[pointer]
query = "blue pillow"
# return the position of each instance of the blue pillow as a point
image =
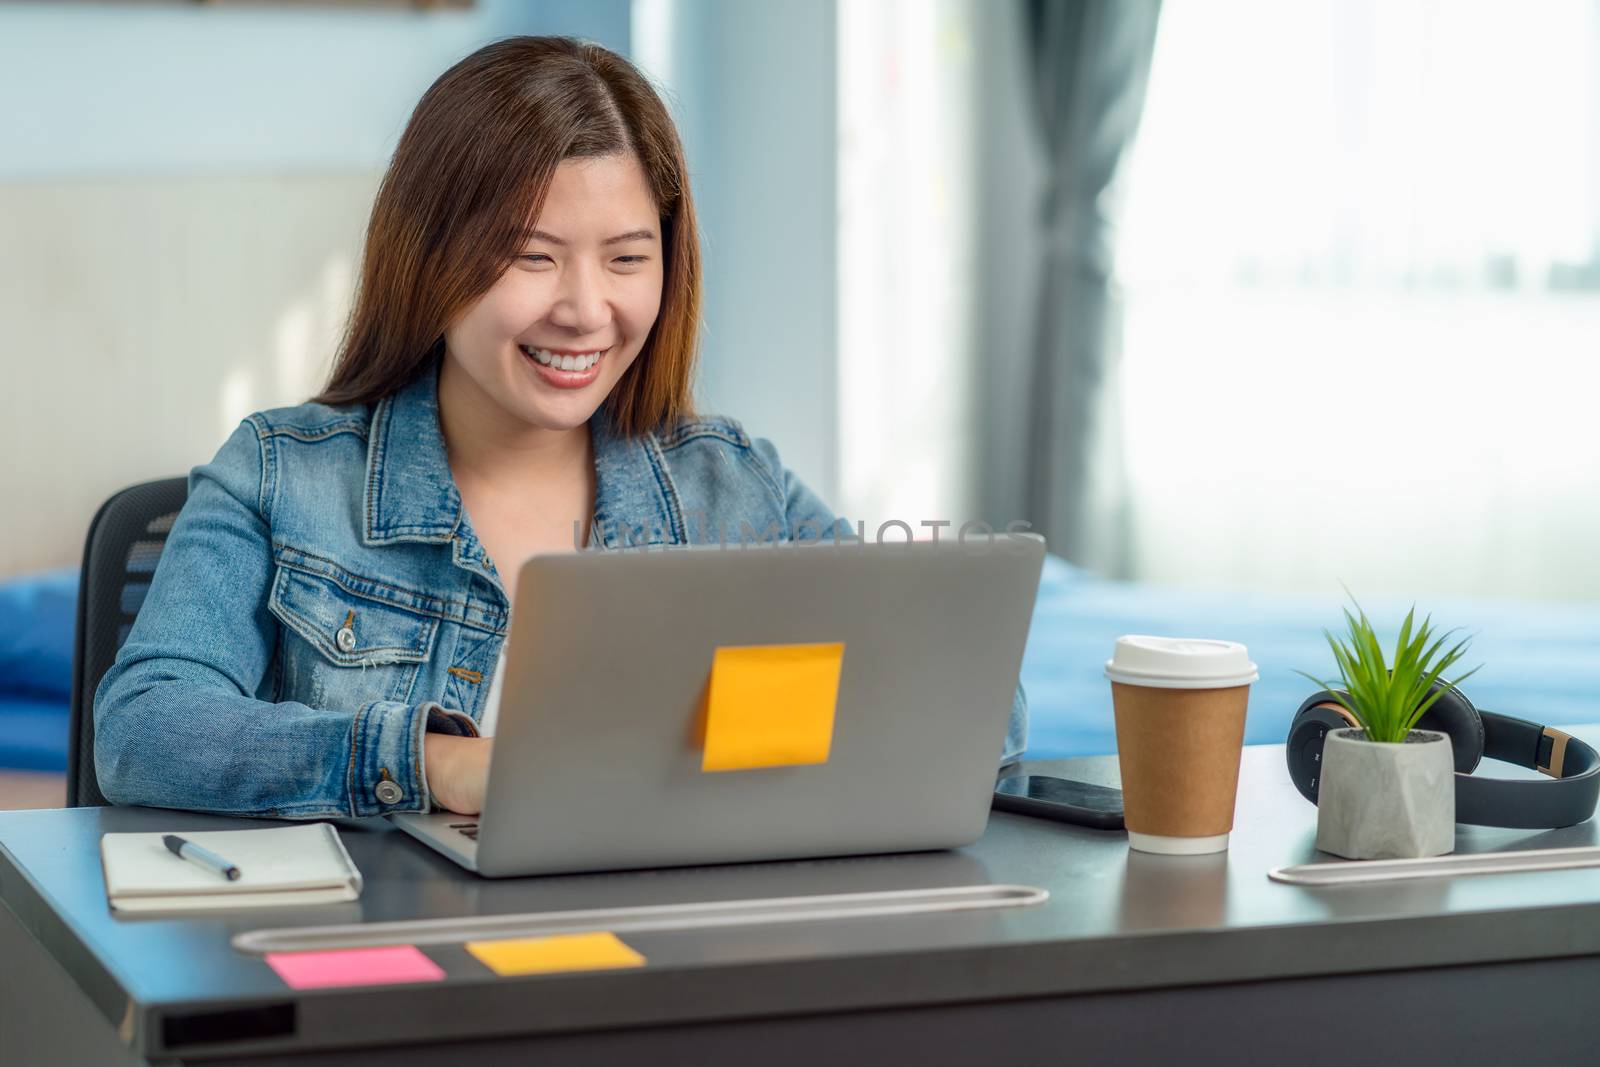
(38, 613)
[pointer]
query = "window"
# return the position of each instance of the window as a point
(1360, 266)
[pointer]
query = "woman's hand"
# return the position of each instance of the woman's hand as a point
(457, 770)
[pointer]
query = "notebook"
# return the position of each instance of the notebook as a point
(305, 864)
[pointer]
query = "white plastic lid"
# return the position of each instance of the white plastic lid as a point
(1180, 663)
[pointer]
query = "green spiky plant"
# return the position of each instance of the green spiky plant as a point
(1388, 699)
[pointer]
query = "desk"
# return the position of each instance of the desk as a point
(1134, 958)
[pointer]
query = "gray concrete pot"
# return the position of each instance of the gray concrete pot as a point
(1381, 800)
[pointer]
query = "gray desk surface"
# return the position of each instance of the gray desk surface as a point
(1116, 921)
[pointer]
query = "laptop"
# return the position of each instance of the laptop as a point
(599, 743)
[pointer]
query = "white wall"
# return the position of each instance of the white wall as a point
(144, 318)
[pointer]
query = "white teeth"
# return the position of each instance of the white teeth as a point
(550, 359)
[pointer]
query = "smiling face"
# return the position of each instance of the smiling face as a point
(551, 338)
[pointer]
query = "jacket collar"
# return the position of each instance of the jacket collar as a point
(411, 495)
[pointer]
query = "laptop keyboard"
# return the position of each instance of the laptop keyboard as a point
(467, 829)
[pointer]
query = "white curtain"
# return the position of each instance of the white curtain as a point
(909, 366)
(1361, 265)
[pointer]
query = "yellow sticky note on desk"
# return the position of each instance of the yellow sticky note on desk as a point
(771, 706)
(548, 955)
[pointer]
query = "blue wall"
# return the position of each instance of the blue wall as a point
(753, 88)
(176, 88)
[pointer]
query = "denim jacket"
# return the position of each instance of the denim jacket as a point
(322, 601)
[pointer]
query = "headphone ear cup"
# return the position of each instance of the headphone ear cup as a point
(1453, 715)
(1307, 730)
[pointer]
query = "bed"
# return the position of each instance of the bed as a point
(1541, 661)
(37, 613)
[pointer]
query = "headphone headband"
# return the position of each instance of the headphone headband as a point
(1568, 798)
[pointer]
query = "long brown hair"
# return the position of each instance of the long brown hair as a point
(467, 181)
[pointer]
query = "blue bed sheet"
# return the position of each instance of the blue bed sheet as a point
(37, 615)
(33, 734)
(1541, 660)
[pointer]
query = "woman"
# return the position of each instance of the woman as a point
(320, 635)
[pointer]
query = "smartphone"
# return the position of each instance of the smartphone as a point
(1083, 803)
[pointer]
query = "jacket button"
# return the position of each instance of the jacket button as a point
(389, 792)
(346, 639)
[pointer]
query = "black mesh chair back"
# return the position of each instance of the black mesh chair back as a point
(125, 539)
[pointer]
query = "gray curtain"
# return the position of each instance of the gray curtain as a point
(1052, 312)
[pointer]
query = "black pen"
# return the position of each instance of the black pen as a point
(203, 856)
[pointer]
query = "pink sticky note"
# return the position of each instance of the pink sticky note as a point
(354, 966)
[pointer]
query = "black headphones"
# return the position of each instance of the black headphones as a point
(1574, 766)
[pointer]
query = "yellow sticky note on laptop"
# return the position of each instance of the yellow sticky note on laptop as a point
(549, 955)
(771, 706)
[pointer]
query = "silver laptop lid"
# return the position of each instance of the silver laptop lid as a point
(597, 759)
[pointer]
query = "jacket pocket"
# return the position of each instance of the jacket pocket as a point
(348, 629)
(353, 650)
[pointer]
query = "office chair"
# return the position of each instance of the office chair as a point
(125, 539)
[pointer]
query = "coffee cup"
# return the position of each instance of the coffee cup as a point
(1180, 708)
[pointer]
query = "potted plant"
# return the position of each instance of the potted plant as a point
(1387, 789)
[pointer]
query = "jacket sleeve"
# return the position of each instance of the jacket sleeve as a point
(809, 519)
(177, 719)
